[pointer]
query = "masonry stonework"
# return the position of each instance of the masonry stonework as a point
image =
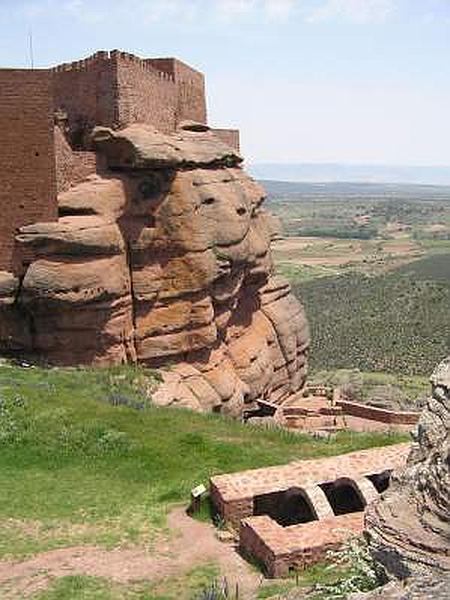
(27, 156)
(117, 89)
(113, 89)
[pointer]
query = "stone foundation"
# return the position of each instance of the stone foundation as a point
(290, 516)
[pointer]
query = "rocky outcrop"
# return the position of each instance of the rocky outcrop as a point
(408, 528)
(163, 258)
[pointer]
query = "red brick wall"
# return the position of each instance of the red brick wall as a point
(378, 414)
(71, 167)
(117, 88)
(27, 157)
(144, 94)
(190, 88)
(87, 91)
(229, 136)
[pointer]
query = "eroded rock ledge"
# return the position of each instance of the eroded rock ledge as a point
(163, 259)
(408, 528)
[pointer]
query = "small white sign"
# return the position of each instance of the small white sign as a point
(198, 491)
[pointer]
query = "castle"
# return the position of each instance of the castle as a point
(130, 233)
(46, 116)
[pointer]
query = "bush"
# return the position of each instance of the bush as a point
(393, 323)
(362, 574)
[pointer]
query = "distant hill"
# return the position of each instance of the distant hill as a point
(335, 172)
(352, 190)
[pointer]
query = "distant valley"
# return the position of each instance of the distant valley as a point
(336, 172)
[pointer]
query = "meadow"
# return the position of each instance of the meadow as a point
(86, 459)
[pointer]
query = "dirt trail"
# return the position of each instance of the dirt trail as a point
(191, 543)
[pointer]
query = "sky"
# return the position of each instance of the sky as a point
(348, 81)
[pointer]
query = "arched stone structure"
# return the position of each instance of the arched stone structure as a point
(345, 495)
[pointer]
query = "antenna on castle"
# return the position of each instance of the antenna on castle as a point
(30, 45)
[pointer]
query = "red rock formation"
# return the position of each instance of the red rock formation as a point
(408, 528)
(163, 259)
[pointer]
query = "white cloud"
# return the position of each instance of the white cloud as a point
(353, 11)
(229, 10)
(225, 11)
(278, 10)
(155, 11)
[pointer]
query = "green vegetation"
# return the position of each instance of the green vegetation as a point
(385, 323)
(381, 304)
(363, 212)
(300, 273)
(399, 391)
(84, 458)
(431, 268)
(81, 587)
(344, 232)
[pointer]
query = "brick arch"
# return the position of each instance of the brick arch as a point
(346, 495)
(296, 507)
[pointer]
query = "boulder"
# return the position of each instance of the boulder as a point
(9, 287)
(164, 259)
(408, 528)
(143, 147)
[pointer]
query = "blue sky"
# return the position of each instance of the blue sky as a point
(360, 81)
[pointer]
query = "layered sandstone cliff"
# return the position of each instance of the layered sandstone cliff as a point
(164, 259)
(408, 528)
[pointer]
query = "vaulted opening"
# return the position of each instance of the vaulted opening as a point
(342, 496)
(290, 507)
(381, 481)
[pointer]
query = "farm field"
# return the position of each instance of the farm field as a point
(372, 266)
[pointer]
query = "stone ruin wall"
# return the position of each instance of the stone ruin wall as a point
(27, 161)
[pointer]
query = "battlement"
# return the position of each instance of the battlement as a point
(115, 88)
(99, 58)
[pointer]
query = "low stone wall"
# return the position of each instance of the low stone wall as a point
(229, 136)
(279, 549)
(233, 495)
(378, 414)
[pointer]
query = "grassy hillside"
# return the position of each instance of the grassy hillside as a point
(84, 458)
(380, 304)
(398, 323)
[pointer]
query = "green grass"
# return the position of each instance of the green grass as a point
(319, 573)
(75, 468)
(82, 587)
(296, 273)
(413, 388)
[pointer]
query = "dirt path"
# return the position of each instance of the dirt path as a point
(191, 544)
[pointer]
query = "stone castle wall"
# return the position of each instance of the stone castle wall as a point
(72, 167)
(116, 89)
(87, 91)
(229, 136)
(145, 95)
(190, 84)
(27, 155)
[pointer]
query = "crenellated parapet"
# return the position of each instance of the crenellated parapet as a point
(116, 89)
